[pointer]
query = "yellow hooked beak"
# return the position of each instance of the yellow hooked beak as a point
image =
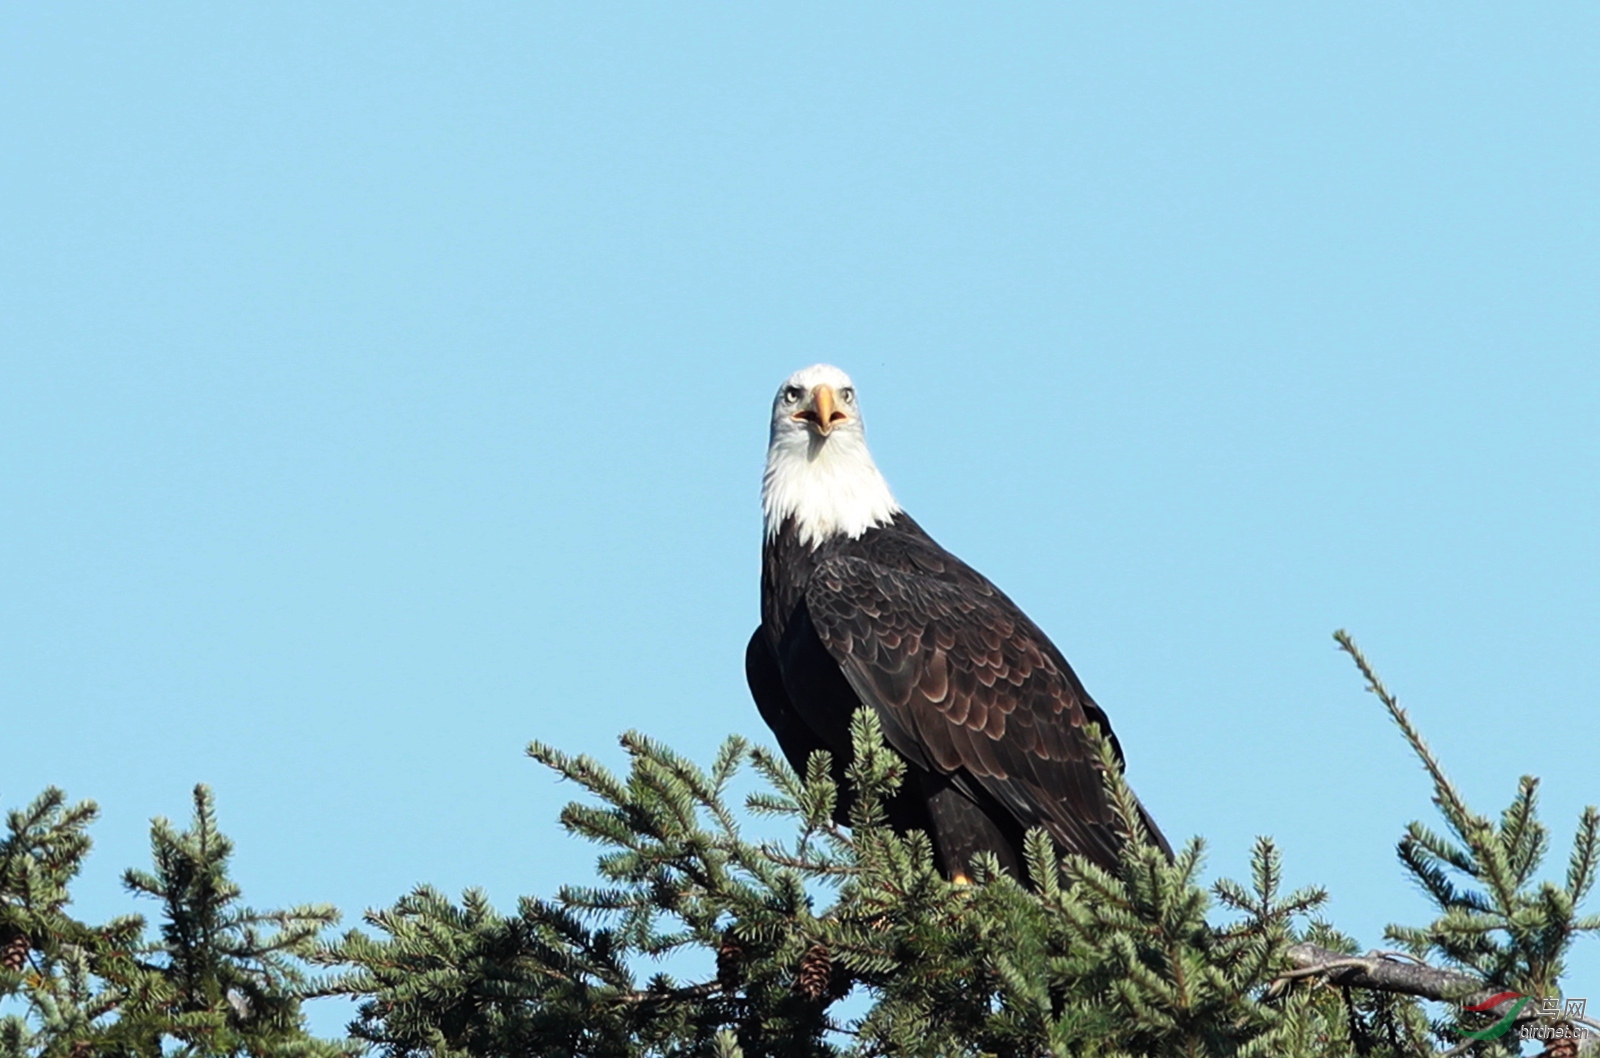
(824, 413)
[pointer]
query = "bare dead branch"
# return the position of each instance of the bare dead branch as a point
(689, 993)
(1381, 972)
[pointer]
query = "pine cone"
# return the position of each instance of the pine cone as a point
(1562, 1048)
(729, 955)
(13, 949)
(815, 970)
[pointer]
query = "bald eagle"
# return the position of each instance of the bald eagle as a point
(860, 606)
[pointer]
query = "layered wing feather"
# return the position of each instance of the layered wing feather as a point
(966, 685)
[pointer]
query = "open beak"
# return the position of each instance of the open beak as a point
(824, 413)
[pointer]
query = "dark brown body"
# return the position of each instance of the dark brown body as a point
(984, 708)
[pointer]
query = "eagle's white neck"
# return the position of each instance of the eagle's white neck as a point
(830, 486)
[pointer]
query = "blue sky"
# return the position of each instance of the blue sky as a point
(384, 386)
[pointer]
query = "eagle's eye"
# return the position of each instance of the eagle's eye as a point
(848, 395)
(791, 394)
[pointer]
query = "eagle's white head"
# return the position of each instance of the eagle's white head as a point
(818, 468)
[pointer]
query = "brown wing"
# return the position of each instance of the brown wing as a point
(965, 683)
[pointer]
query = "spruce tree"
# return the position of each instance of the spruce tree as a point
(217, 978)
(836, 940)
